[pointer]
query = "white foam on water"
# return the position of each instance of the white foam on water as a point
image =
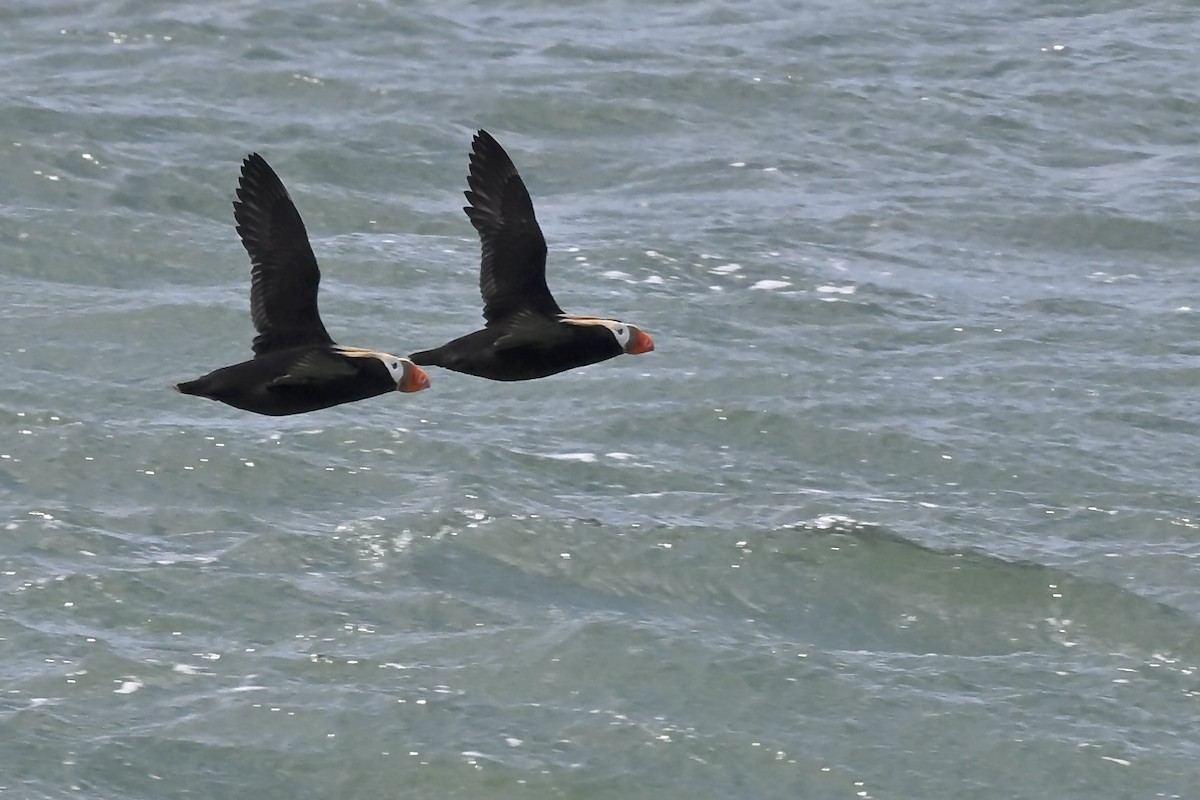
(586, 458)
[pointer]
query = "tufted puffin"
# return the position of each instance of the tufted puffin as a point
(526, 334)
(296, 366)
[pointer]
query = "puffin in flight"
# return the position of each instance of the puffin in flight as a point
(296, 365)
(526, 335)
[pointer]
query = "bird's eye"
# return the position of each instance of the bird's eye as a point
(395, 364)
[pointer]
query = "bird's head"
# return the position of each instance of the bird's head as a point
(407, 375)
(633, 340)
(630, 338)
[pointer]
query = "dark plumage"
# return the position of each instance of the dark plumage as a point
(526, 335)
(296, 365)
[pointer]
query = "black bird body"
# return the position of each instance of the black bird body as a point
(296, 366)
(546, 348)
(526, 335)
(294, 381)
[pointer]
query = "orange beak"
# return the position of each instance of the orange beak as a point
(642, 343)
(414, 380)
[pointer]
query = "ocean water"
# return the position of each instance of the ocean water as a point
(904, 505)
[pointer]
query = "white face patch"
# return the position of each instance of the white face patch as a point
(395, 365)
(619, 330)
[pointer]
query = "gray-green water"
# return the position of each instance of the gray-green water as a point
(904, 505)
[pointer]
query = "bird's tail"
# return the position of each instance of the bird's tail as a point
(197, 387)
(427, 358)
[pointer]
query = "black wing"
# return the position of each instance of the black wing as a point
(526, 328)
(314, 367)
(284, 273)
(512, 273)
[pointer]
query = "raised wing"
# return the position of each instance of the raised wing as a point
(284, 273)
(512, 272)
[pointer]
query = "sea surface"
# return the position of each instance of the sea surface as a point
(905, 505)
